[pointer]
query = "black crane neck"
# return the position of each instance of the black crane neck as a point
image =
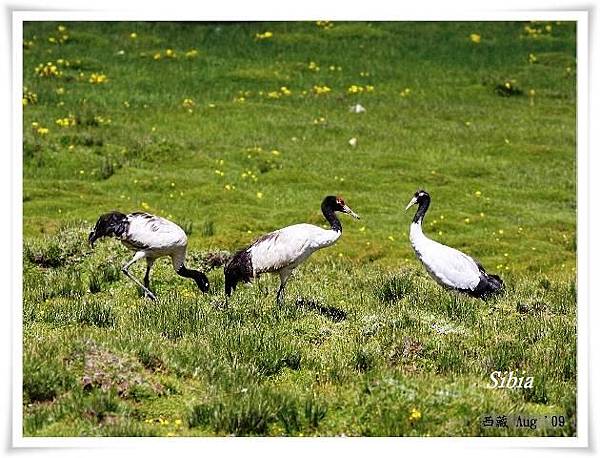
(330, 216)
(423, 207)
(196, 275)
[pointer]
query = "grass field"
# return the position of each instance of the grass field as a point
(233, 130)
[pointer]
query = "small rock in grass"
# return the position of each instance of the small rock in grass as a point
(358, 108)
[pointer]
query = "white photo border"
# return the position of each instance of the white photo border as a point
(222, 445)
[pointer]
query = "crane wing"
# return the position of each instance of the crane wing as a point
(153, 232)
(289, 246)
(451, 267)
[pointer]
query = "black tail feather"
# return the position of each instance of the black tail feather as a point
(489, 284)
(239, 268)
(496, 282)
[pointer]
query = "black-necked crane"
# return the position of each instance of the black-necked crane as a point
(283, 250)
(151, 237)
(449, 267)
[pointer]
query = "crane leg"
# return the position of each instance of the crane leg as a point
(139, 255)
(149, 264)
(284, 275)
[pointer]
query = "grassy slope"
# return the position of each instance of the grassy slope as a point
(505, 163)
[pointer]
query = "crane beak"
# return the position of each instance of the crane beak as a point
(349, 211)
(411, 203)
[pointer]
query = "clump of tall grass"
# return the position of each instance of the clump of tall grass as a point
(67, 246)
(102, 275)
(365, 358)
(89, 311)
(267, 352)
(256, 411)
(250, 412)
(392, 288)
(45, 373)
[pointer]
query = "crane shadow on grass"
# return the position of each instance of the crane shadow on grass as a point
(333, 313)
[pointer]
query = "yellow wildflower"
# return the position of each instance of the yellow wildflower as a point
(29, 97)
(42, 130)
(145, 205)
(101, 120)
(98, 78)
(188, 103)
(313, 66)
(415, 415)
(320, 90)
(133, 35)
(325, 25)
(68, 121)
(191, 53)
(48, 70)
(355, 89)
(475, 38)
(264, 36)
(259, 195)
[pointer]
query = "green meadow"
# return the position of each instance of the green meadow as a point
(236, 129)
